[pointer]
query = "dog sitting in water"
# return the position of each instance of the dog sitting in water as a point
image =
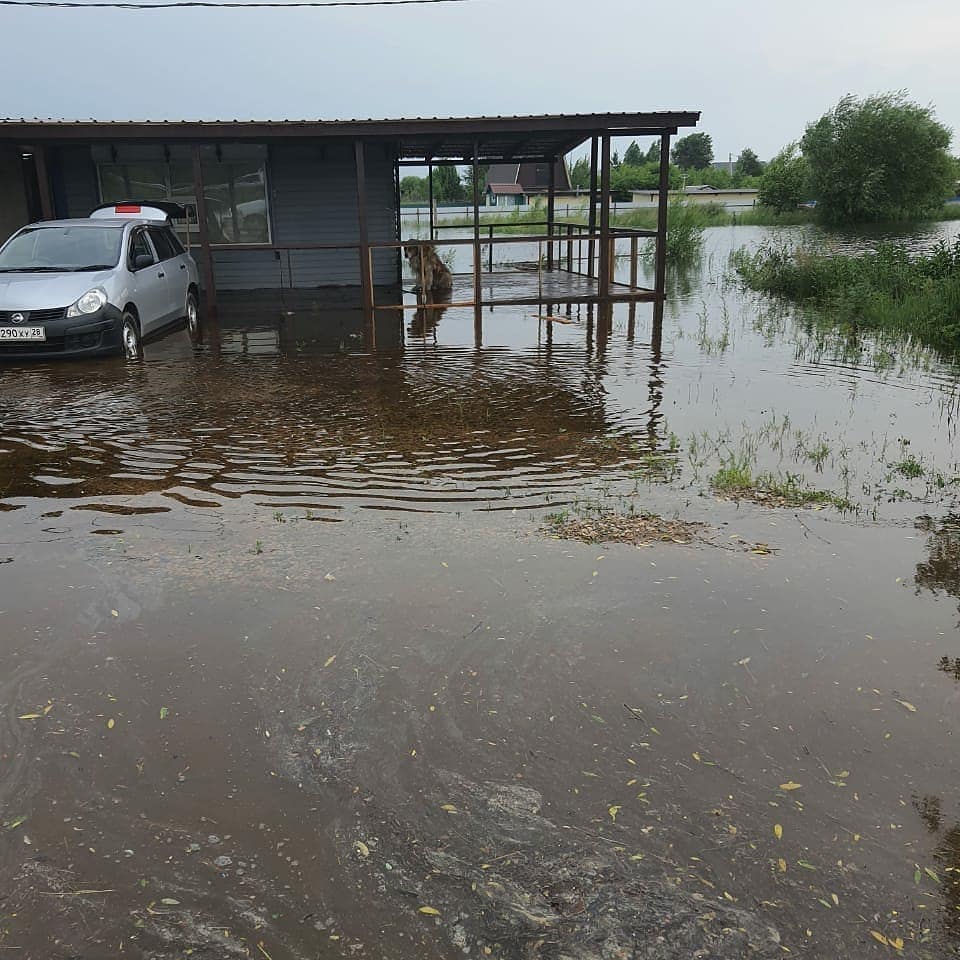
(431, 273)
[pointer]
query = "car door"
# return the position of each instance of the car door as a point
(151, 292)
(175, 271)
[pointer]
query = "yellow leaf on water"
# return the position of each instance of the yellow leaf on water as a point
(429, 911)
(113, 613)
(31, 716)
(909, 706)
(782, 864)
(696, 756)
(329, 661)
(843, 775)
(790, 785)
(111, 723)
(449, 807)
(47, 708)
(613, 811)
(897, 943)
(835, 899)
(777, 830)
(880, 938)
(362, 848)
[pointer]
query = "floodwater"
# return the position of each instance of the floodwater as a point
(294, 669)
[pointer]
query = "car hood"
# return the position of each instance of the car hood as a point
(47, 291)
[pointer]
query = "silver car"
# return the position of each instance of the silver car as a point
(94, 286)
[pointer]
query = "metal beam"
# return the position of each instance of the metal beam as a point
(477, 265)
(606, 267)
(551, 210)
(591, 251)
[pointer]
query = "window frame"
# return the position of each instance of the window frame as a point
(190, 225)
(134, 233)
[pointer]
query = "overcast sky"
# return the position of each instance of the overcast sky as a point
(757, 69)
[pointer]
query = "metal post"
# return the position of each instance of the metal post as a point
(569, 248)
(396, 189)
(551, 209)
(43, 182)
(660, 282)
(206, 255)
(491, 247)
(594, 152)
(366, 273)
(430, 196)
(605, 266)
(634, 258)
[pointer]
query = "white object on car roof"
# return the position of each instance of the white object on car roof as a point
(131, 210)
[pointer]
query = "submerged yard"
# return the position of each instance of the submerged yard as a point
(559, 646)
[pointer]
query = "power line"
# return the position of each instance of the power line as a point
(213, 4)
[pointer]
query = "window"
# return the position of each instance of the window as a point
(161, 243)
(139, 247)
(234, 179)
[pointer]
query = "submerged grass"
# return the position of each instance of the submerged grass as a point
(888, 289)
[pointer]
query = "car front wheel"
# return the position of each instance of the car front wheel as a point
(130, 339)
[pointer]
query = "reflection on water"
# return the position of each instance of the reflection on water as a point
(940, 572)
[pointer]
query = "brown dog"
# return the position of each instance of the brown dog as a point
(431, 272)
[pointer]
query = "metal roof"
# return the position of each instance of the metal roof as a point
(513, 189)
(420, 138)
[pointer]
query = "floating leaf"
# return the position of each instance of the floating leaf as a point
(13, 824)
(429, 911)
(111, 723)
(449, 808)
(613, 811)
(164, 713)
(113, 613)
(168, 902)
(362, 848)
(835, 899)
(907, 705)
(47, 708)
(31, 716)
(931, 874)
(843, 774)
(917, 876)
(880, 938)
(782, 864)
(777, 830)
(329, 661)
(790, 785)
(696, 756)
(805, 865)
(897, 943)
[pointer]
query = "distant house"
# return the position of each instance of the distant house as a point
(514, 184)
(701, 193)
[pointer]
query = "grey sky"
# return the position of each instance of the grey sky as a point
(757, 70)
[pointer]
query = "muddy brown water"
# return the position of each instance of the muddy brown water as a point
(288, 655)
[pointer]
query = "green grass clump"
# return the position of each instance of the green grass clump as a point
(735, 480)
(911, 468)
(888, 289)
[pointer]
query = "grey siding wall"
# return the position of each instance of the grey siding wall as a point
(75, 187)
(13, 197)
(313, 199)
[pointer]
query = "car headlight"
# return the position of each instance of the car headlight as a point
(92, 301)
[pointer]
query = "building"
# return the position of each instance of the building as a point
(303, 204)
(515, 184)
(704, 194)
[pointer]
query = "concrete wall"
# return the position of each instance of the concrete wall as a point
(13, 198)
(312, 199)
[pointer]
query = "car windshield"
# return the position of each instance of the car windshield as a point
(61, 248)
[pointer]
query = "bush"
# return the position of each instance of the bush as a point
(784, 182)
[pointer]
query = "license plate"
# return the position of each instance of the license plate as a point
(23, 333)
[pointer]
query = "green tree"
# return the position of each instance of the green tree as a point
(615, 160)
(694, 152)
(447, 187)
(748, 164)
(580, 174)
(482, 169)
(653, 152)
(414, 190)
(633, 157)
(880, 158)
(784, 183)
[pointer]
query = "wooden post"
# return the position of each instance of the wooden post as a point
(477, 253)
(551, 209)
(569, 248)
(634, 261)
(491, 248)
(43, 182)
(594, 148)
(660, 282)
(366, 271)
(605, 266)
(206, 255)
(396, 190)
(430, 196)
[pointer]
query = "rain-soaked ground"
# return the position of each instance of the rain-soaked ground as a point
(294, 667)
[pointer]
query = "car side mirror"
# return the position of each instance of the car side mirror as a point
(142, 260)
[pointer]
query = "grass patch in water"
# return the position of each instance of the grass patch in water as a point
(735, 481)
(888, 289)
(609, 526)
